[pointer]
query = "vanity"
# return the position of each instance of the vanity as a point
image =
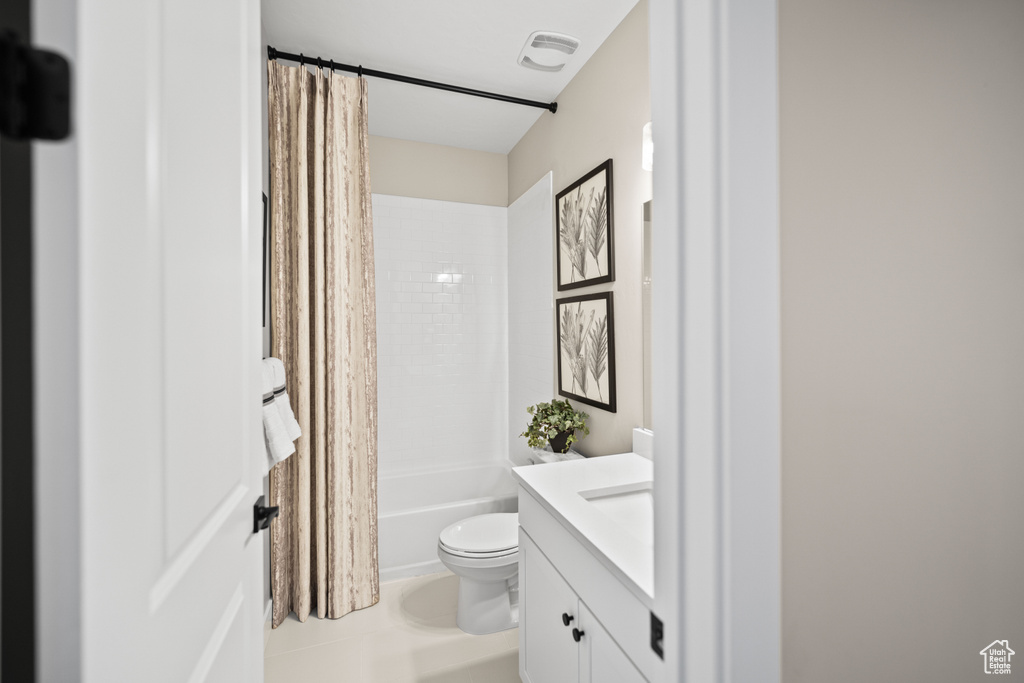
(586, 570)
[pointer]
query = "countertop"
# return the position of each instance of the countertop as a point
(623, 550)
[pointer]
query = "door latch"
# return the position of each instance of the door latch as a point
(35, 91)
(261, 515)
(657, 636)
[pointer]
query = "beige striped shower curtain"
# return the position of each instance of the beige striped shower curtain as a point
(323, 326)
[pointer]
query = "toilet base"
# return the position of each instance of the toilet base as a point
(487, 606)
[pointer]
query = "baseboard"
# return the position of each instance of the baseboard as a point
(409, 570)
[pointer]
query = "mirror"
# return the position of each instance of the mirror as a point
(645, 286)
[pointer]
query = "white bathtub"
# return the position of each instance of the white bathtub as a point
(412, 509)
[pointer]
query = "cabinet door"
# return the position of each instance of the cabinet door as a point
(547, 652)
(601, 658)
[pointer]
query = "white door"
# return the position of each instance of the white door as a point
(167, 124)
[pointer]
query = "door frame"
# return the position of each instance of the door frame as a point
(714, 97)
(716, 311)
(56, 308)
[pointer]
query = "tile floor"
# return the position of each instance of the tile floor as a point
(409, 636)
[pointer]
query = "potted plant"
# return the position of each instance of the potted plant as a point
(555, 423)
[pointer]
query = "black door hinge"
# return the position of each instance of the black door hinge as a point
(35, 91)
(657, 636)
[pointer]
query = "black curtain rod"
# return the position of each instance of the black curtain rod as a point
(273, 53)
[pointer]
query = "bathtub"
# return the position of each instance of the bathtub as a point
(413, 508)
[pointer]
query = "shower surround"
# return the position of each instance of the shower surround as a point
(442, 344)
(442, 357)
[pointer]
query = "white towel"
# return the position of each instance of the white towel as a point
(284, 404)
(279, 446)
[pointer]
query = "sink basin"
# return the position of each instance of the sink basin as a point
(630, 506)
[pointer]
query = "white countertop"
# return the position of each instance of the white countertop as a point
(626, 552)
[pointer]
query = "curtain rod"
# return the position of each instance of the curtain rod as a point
(273, 53)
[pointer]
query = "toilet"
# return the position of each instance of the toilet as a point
(483, 551)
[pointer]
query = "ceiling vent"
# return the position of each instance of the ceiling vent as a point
(548, 51)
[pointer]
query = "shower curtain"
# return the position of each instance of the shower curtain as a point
(323, 326)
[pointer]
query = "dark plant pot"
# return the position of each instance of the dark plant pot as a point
(558, 443)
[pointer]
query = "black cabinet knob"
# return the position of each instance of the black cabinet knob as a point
(566, 618)
(576, 634)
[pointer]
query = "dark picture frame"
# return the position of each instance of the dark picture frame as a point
(585, 327)
(266, 266)
(584, 233)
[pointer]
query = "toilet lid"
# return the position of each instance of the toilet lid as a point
(490, 533)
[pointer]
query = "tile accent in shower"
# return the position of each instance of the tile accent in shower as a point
(442, 315)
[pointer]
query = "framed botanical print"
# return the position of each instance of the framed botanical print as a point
(586, 349)
(583, 222)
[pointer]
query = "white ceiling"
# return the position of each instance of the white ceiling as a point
(472, 43)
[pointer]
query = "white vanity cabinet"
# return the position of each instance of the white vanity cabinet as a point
(560, 638)
(548, 653)
(586, 552)
(602, 660)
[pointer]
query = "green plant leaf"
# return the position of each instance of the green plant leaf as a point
(551, 419)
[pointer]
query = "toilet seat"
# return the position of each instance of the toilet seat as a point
(483, 536)
(481, 556)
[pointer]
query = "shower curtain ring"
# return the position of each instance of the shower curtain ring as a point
(319, 64)
(360, 72)
(302, 59)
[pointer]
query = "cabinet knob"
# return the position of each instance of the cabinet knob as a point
(566, 618)
(576, 634)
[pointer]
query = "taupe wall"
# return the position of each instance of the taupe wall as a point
(601, 114)
(426, 171)
(902, 161)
